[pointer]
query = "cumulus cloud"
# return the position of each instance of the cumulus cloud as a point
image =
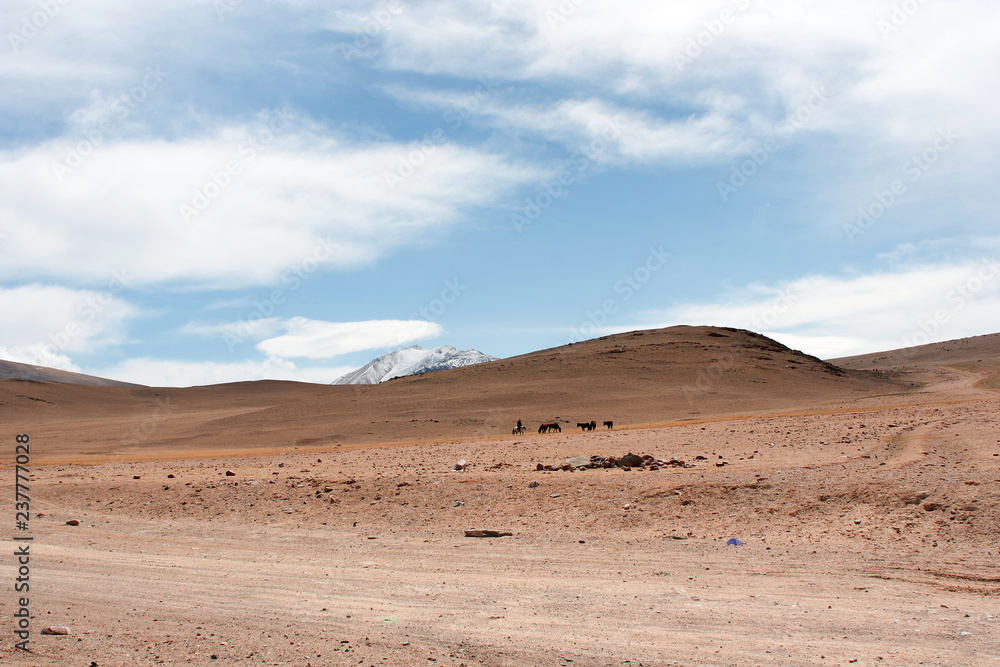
(43, 324)
(243, 205)
(38, 354)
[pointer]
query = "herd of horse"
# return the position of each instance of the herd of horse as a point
(554, 427)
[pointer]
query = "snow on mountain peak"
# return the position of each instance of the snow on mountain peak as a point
(412, 361)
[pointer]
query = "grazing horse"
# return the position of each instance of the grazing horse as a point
(583, 425)
(609, 424)
(545, 428)
(592, 426)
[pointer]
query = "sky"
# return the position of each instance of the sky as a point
(204, 191)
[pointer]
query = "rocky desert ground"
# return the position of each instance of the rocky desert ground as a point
(283, 524)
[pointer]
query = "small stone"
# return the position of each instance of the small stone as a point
(532, 484)
(930, 507)
(56, 630)
(73, 522)
(230, 473)
(170, 476)
(136, 477)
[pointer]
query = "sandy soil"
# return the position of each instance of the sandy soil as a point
(868, 529)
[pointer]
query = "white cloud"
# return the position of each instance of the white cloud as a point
(314, 339)
(242, 205)
(252, 327)
(834, 316)
(48, 322)
(757, 62)
(179, 373)
(609, 132)
(38, 354)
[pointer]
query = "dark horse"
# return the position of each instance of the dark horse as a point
(609, 424)
(545, 428)
(587, 426)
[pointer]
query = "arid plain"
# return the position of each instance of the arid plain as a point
(275, 523)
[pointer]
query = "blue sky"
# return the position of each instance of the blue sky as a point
(207, 191)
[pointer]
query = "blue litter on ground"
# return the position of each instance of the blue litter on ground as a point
(733, 542)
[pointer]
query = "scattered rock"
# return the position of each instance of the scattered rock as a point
(532, 484)
(171, 476)
(56, 630)
(488, 533)
(73, 522)
(136, 477)
(230, 473)
(460, 465)
(930, 507)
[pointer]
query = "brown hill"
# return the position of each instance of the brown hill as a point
(633, 378)
(12, 370)
(977, 357)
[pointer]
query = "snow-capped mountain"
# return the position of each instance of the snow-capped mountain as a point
(412, 361)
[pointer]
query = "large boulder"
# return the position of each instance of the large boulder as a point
(631, 460)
